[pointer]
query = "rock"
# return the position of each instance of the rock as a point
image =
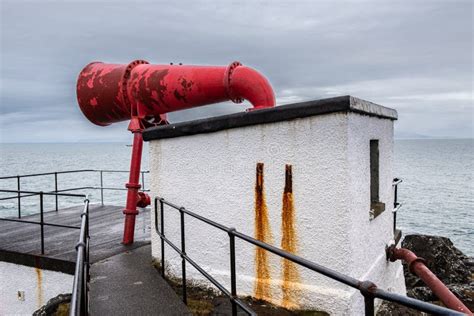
(57, 306)
(464, 291)
(447, 262)
(391, 309)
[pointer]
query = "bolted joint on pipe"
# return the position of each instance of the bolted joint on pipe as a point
(143, 199)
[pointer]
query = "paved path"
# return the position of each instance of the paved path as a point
(128, 284)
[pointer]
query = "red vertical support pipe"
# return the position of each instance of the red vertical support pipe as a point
(133, 186)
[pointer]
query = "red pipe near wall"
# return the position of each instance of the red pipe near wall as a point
(417, 266)
(144, 93)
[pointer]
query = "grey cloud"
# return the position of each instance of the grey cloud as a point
(415, 56)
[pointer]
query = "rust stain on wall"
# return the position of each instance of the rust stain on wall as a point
(289, 241)
(263, 233)
(39, 287)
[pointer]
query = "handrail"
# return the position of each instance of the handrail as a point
(368, 289)
(80, 291)
(396, 206)
(102, 188)
(69, 171)
(41, 222)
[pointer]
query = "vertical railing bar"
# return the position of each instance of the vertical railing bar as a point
(42, 222)
(19, 197)
(86, 279)
(395, 204)
(101, 188)
(395, 198)
(369, 305)
(233, 280)
(56, 188)
(143, 180)
(162, 240)
(183, 261)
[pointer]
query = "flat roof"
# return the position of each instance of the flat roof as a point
(271, 115)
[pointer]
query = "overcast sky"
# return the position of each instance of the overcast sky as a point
(415, 56)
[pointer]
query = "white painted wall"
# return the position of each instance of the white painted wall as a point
(214, 175)
(38, 286)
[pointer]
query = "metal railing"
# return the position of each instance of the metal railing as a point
(396, 204)
(80, 289)
(367, 288)
(80, 292)
(41, 222)
(20, 194)
(101, 173)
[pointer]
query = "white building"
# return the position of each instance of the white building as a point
(343, 206)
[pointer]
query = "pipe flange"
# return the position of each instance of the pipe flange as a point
(133, 186)
(124, 81)
(227, 82)
(412, 263)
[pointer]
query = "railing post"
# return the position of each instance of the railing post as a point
(369, 305)
(233, 280)
(183, 253)
(143, 181)
(56, 188)
(19, 195)
(367, 289)
(395, 199)
(101, 188)
(42, 222)
(86, 278)
(395, 204)
(162, 224)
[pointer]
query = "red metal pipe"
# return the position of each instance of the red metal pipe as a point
(109, 93)
(417, 266)
(144, 93)
(133, 186)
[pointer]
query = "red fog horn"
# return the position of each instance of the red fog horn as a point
(144, 93)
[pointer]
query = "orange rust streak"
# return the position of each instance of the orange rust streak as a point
(263, 233)
(39, 287)
(289, 243)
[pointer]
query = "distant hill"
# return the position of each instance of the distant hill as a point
(408, 135)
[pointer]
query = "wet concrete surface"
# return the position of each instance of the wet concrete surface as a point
(128, 284)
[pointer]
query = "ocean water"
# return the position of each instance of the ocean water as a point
(437, 190)
(21, 159)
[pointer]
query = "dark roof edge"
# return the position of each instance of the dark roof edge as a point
(271, 115)
(35, 261)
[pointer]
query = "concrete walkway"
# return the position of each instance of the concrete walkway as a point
(128, 284)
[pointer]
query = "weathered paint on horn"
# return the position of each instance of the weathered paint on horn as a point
(109, 93)
(144, 93)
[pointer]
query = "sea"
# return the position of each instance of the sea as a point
(437, 191)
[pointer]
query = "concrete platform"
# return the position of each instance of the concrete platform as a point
(128, 284)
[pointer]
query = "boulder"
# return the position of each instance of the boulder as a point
(57, 306)
(448, 263)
